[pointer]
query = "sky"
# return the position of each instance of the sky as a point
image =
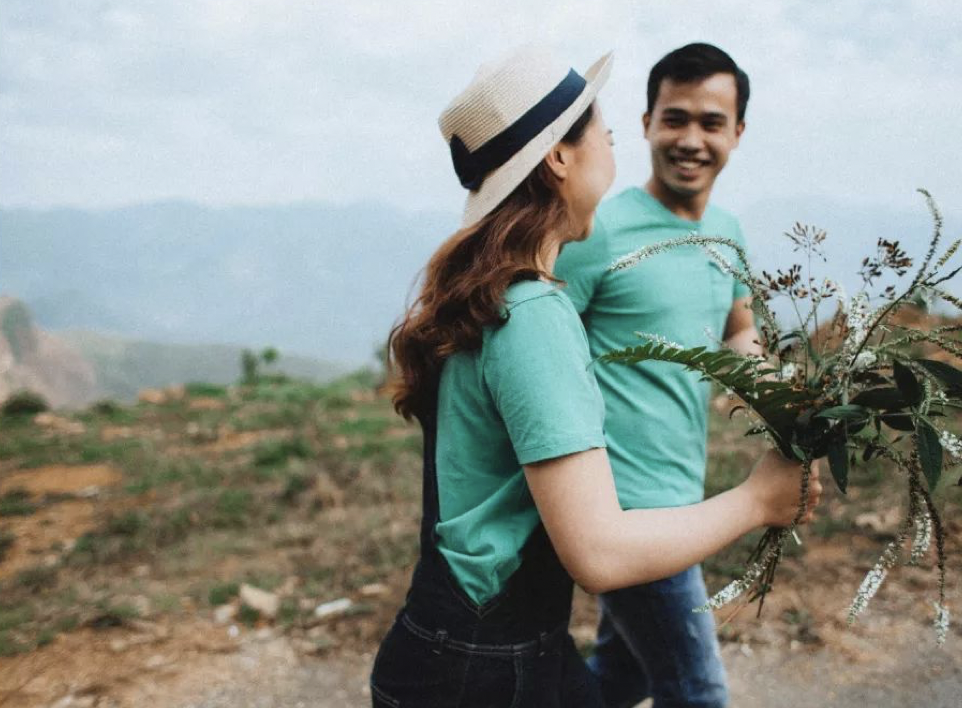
(107, 103)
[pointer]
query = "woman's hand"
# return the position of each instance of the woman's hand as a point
(775, 484)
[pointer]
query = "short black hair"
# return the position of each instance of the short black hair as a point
(695, 62)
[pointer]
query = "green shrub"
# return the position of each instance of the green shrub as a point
(222, 593)
(23, 403)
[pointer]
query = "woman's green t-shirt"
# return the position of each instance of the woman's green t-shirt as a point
(527, 395)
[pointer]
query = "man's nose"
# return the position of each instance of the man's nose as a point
(691, 138)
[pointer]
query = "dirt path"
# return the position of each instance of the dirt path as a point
(881, 663)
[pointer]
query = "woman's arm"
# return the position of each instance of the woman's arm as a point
(604, 547)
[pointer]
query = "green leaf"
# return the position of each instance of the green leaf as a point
(947, 374)
(907, 383)
(776, 402)
(930, 453)
(838, 462)
(898, 421)
(888, 398)
(849, 412)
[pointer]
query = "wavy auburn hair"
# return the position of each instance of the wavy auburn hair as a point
(466, 279)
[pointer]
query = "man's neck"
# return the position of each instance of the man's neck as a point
(689, 208)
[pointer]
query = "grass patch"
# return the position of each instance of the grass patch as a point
(233, 508)
(272, 453)
(17, 502)
(222, 593)
(12, 617)
(200, 389)
(7, 539)
(38, 578)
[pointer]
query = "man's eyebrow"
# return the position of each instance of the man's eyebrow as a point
(715, 116)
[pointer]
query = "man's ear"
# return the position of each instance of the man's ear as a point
(739, 129)
(646, 122)
(558, 161)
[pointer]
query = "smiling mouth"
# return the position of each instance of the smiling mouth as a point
(688, 164)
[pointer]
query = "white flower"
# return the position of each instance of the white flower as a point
(659, 340)
(873, 579)
(952, 445)
(923, 536)
(941, 623)
(864, 360)
(866, 591)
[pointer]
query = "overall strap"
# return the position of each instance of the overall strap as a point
(431, 512)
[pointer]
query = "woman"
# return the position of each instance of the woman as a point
(493, 361)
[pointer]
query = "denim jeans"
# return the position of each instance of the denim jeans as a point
(417, 667)
(650, 643)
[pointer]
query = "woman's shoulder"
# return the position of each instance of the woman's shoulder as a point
(532, 296)
(536, 310)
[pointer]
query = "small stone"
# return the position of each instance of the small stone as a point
(266, 603)
(118, 646)
(233, 632)
(374, 590)
(333, 608)
(224, 613)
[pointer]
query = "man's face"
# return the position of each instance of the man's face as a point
(692, 129)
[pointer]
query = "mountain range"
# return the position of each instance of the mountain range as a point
(313, 279)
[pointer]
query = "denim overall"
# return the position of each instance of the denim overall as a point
(514, 651)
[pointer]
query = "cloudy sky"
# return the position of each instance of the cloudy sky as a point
(105, 103)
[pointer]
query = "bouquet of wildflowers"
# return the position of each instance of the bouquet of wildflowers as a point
(851, 389)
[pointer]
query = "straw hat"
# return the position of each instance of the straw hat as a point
(509, 117)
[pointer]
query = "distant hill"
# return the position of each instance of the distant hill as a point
(322, 281)
(124, 367)
(314, 279)
(75, 368)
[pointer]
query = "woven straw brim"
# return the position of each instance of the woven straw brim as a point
(500, 183)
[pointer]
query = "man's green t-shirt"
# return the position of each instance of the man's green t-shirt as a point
(527, 395)
(656, 412)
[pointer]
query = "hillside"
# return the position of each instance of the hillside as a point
(33, 359)
(123, 368)
(76, 368)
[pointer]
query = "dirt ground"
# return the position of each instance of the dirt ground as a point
(800, 653)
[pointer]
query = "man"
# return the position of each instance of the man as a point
(650, 643)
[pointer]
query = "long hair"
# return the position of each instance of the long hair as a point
(465, 281)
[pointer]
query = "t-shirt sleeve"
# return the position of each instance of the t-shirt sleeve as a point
(536, 368)
(739, 289)
(582, 264)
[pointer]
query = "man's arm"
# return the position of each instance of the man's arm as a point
(740, 333)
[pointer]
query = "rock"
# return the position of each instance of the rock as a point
(58, 424)
(878, 522)
(152, 396)
(374, 590)
(176, 392)
(224, 613)
(266, 603)
(334, 608)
